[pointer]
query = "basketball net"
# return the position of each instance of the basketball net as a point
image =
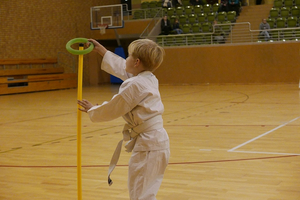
(102, 28)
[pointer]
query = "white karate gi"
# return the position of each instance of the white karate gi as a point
(138, 100)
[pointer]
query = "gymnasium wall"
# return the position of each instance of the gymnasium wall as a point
(254, 63)
(41, 28)
(245, 64)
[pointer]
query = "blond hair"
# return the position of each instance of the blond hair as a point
(150, 54)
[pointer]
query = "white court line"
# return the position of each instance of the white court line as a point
(266, 133)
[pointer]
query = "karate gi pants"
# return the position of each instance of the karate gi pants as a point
(145, 173)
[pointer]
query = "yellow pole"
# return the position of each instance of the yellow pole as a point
(79, 52)
(79, 97)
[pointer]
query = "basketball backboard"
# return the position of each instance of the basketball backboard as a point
(110, 15)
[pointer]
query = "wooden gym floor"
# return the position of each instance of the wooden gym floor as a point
(231, 142)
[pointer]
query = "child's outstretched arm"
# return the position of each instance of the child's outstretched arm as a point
(85, 104)
(98, 47)
(111, 63)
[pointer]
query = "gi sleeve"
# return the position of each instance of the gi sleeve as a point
(108, 111)
(115, 65)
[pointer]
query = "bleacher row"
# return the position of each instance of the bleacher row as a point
(188, 13)
(207, 10)
(202, 16)
(285, 15)
(151, 4)
(286, 3)
(29, 75)
(159, 3)
(199, 19)
(149, 9)
(193, 20)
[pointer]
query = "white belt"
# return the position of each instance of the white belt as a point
(130, 134)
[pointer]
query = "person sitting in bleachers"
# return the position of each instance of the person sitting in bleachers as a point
(212, 2)
(223, 6)
(264, 26)
(196, 2)
(165, 26)
(176, 27)
(219, 35)
(176, 3)
(167, 4)
(234, 5)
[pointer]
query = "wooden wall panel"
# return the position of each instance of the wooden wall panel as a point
(254, 63)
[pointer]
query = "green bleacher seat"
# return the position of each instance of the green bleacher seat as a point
(206, 27)
(280, 22)
(179, 10)
(271, 22)
(182, 19)
(274, 12)
(152, 4)
(291, 22)
(172, 19)
(295, 11)
(221, 16)
(288, 3)
(231, 16)
(207, 8)
(226, 28)
(188, 10)
(297, 2)
(171, 11)
(215, 7)
(192, 18)
(211, 17)
(159, 4)
(198, 9)
(278, 3)
(284, 12)
(145, 5)
(202, 17)
(186, 28)
(196, 28)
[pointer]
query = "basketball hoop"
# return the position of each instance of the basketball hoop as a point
(102, 28)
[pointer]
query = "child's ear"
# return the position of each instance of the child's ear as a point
(137, 62)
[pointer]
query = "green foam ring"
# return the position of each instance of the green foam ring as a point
(79, 52)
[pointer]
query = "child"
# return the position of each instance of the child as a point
(139, 103)
(176, 27)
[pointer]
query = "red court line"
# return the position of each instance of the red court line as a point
(175, 163)
(251, 125)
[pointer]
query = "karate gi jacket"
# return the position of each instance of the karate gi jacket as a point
(137, 101)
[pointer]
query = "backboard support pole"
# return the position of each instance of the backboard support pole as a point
(117, 37)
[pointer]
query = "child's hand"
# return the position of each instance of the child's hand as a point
(97, 47)
(85, 104)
